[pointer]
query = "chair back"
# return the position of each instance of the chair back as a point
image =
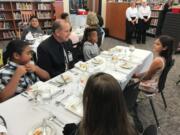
(130, 93)
(162, 79)
(150, 130)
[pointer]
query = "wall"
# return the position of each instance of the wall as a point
(59, 8)
(66, 6)
(103, 10)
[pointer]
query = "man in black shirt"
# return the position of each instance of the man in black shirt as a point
(55, 53)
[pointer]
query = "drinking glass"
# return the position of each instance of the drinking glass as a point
(131, 50)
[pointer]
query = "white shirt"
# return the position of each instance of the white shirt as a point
(144, 11)
(131, 12)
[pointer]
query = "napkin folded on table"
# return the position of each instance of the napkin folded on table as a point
(29, 36)
(47, 90)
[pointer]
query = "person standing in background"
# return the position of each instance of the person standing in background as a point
(132, 20)
(144, 13)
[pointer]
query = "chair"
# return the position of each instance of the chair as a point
(103, 36)
(150, 130)
(130, 93)
(78, 52)
(178, 81)
(161, 86)
(25, 16)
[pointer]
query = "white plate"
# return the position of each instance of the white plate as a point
(82, 66)
(38, 129)
(64, 78)
(107, 53)
(126, 65)
(117, 48)
(74, 104)
(97, 60)
(46, 90)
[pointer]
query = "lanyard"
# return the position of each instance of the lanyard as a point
(65, 59)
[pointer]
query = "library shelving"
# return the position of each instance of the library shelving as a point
(156, 8)
(11, 16)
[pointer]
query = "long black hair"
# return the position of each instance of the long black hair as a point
(104, 108)
(168, 43)
(14, 46)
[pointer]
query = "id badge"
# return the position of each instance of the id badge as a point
(70, 57)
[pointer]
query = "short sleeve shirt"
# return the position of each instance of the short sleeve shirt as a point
(8, 71)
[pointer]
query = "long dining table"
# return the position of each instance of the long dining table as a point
(60, 98)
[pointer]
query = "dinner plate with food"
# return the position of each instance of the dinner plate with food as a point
(116, 49)
(97, 60)
(41, 129)
(82, 66)
(126, 65)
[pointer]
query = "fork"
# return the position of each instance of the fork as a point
(55, 120)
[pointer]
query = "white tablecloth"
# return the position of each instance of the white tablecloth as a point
(21, 115)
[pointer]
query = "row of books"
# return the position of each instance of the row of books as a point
(9, 34)
(154, 22)
(2, 16)
(151, 31)
(44, 15)
(155, 14)
(1, 6)
(16, 15)
(24, 6)
(47, 24)
(5, 25)
(44, 6)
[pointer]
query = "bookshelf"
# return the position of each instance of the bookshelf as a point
(156, 8)
(11, 16)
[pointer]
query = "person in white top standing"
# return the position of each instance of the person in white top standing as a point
(144, 13)
(132, 20)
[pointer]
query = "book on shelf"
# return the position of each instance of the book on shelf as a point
(47, 24)
(155, 14)
(2, 16)
(9, 34)
(151, 31)
(154, 22)
(16, 15)
(24, 6)
(44, 15)
(44, 6)
(1, 6)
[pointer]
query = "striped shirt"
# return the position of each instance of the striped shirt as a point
(8, 71)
